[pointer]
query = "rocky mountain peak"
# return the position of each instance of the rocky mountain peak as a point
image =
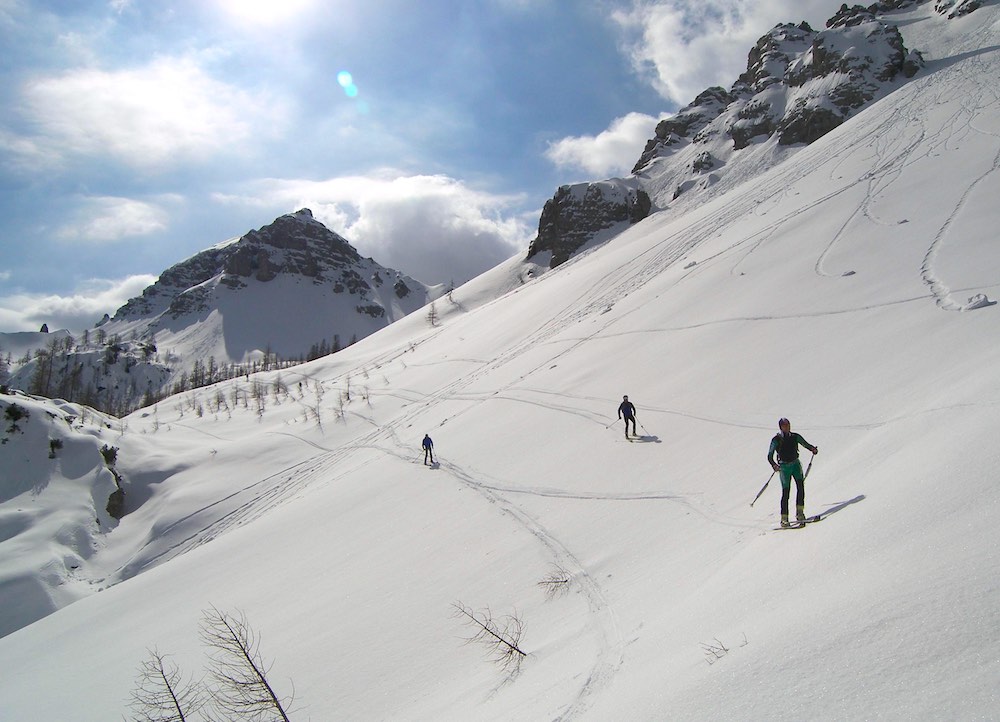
(799, 84)
(294, 244)
(290, 290)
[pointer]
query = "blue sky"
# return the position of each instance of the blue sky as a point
(135, 133)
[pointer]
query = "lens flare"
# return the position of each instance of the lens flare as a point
(347, 83)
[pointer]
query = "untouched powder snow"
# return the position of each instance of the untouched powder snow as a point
(850, 289)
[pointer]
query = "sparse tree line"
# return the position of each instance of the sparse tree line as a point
(68, 368)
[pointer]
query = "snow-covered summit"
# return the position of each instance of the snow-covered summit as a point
(294, 245)
(799, 84)
(229, 305)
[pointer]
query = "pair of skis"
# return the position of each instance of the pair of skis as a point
(800, 524)
(797, 524)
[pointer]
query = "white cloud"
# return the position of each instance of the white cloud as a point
(686, 46)
(77, 311)
(611, 152)
(433, 228)
(108, 219)
(168, 111)
(24, 155)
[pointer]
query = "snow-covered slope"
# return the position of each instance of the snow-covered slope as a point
(850, 289)
(54, 499)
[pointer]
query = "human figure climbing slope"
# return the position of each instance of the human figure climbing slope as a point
(627, 410)
(428, 449)
(786, 445)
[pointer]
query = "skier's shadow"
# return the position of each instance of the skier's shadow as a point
(837, 507)
(648, 439)
(434, 465)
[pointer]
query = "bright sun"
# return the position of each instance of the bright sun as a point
(264, 12)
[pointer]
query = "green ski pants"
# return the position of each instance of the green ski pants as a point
(787, 472)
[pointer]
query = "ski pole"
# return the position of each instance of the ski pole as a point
(763, 487)
(806, 475)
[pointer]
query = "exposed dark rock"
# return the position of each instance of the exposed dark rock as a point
(805, 125)
(371, 310)
(116, 504)
(956, 8)
(703, 161)
(755, 118)
(798, 85)
(577, 213)
(689, 120)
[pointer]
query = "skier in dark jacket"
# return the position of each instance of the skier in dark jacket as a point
(786, 445)
(627, 410)
(428, 449)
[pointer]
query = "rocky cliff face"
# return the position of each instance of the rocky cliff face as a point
(799, 85)
(956, 8)
(579, 213)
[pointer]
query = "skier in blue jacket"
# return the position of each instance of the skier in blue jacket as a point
(428, 449)
(786, 445)
(627, 410)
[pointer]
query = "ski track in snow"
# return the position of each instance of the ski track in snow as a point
(611, 653)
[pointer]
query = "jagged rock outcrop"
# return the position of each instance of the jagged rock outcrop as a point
(799, 84)
(956, 8)
(691, 121)
(578, 213)
(295, 243)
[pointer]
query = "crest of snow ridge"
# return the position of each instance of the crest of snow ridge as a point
(293, 244)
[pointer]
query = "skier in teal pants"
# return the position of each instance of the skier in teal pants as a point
(786, 445)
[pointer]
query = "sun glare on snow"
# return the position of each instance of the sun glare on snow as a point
(264, 12)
